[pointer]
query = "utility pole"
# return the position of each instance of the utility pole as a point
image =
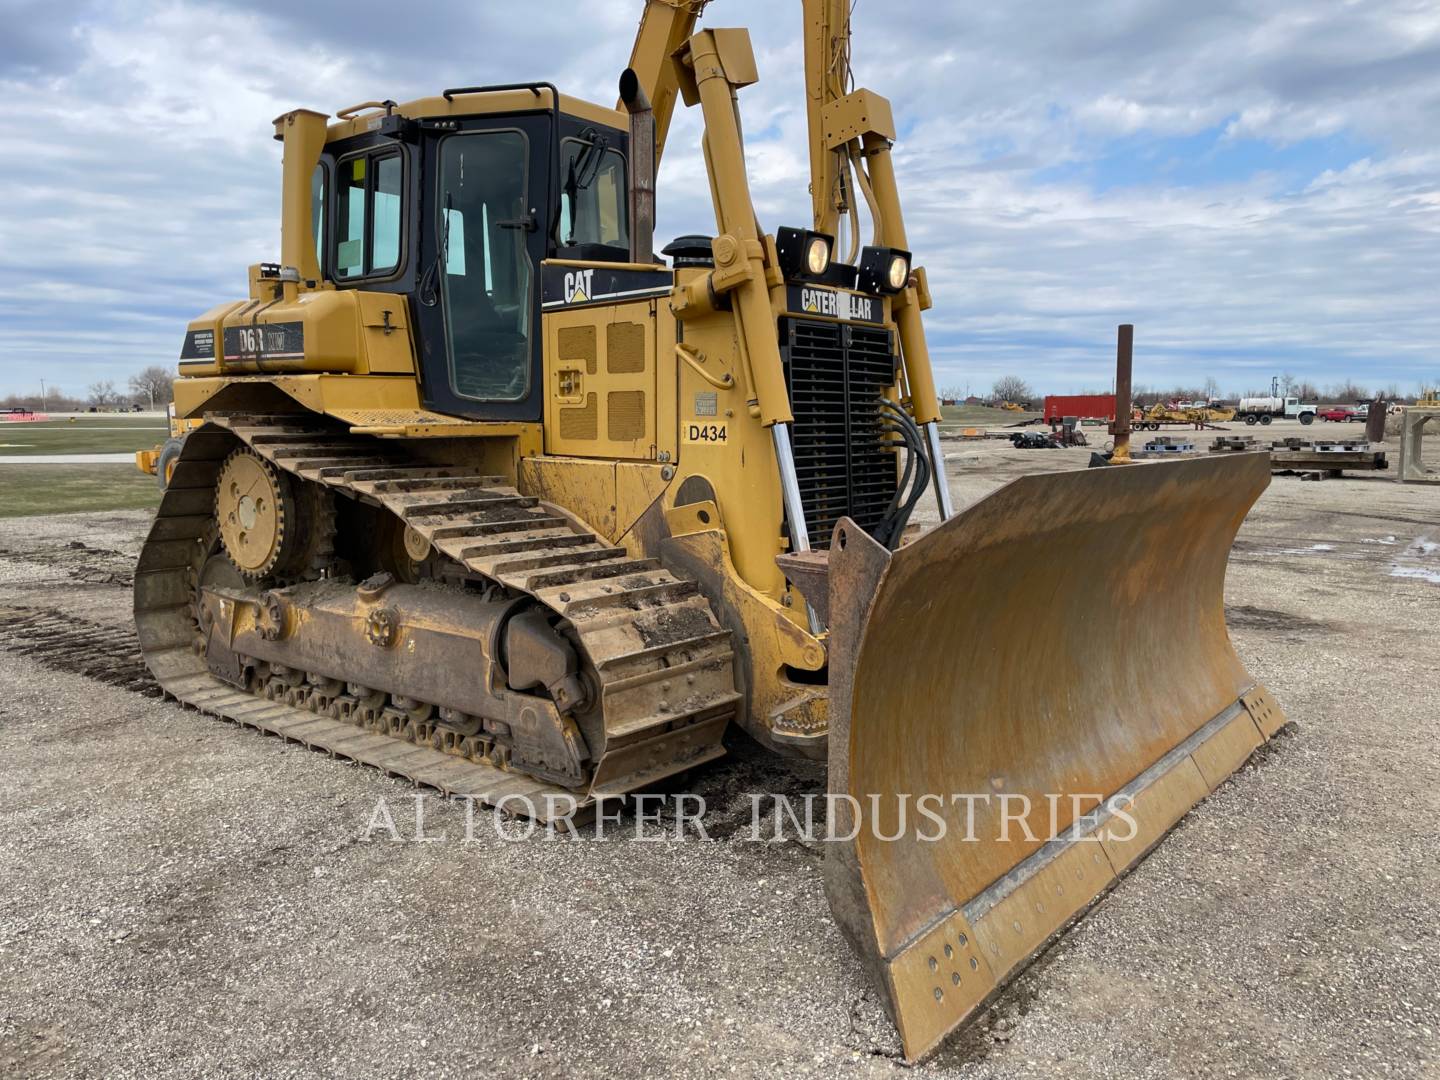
(44, 399)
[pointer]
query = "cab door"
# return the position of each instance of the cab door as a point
(485, 221)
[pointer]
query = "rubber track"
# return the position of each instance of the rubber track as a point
(665, 666)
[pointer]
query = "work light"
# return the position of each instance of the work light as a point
(817, 255)
(884, 270)
(804, 253)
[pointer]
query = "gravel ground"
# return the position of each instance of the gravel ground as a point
(184, 898)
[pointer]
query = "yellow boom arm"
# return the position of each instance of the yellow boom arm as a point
(665, 26)
(854, 131)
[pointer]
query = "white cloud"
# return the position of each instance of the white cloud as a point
(144, 179)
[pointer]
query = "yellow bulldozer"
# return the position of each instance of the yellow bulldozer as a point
(476, 489)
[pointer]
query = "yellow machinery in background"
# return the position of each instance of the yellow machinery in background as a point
(1160, 413)
(483, 493)
(160, 461)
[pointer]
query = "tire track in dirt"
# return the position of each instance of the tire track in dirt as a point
(60, 642)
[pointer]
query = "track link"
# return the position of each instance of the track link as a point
(664, 666)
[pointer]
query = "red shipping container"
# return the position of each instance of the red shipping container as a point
(1084, 406)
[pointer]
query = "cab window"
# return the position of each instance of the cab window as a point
(367, 215)
(593, 204)
(488, 276)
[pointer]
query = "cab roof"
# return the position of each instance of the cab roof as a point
(359, 119)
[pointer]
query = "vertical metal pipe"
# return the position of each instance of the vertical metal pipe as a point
(1124, 354)
(642, 167)
(794, 509)
(937, 471)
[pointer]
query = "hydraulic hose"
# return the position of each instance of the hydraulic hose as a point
(914, 480)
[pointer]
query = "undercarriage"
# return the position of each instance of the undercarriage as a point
(423, 618)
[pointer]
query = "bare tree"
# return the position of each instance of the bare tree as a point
(1287, 384)
(103, 393)
(55, 399)
(1012, 388)
(1347, 392)
(153, 383)
(1212, 388)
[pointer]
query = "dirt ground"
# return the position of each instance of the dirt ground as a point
(183, 898)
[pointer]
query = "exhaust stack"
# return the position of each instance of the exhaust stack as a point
(642, 167)
(303, 133)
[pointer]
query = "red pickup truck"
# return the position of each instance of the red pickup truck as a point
(1338, 415)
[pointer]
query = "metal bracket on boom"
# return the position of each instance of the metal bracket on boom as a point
(856, 115)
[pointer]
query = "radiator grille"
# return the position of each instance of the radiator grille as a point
(837, 374)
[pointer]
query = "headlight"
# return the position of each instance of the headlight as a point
(817, 255)
(884, 270)
(899, 272)
(804, 253)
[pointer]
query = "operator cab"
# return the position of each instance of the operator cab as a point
(459, 213)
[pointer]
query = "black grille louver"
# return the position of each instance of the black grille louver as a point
(837, 374)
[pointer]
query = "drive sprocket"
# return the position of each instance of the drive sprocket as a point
(255, 510)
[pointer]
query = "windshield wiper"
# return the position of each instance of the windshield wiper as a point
(427, 292)
(585, 166)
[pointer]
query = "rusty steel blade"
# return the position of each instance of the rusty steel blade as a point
(1063, 637)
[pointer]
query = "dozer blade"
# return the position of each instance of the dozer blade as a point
(1049, 676)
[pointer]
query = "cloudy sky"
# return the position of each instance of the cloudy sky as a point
(1255, 184)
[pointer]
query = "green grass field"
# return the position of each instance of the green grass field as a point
(101, 434)
(980, 415)
(63, 489)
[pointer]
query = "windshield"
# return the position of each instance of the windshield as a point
(592, 198)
